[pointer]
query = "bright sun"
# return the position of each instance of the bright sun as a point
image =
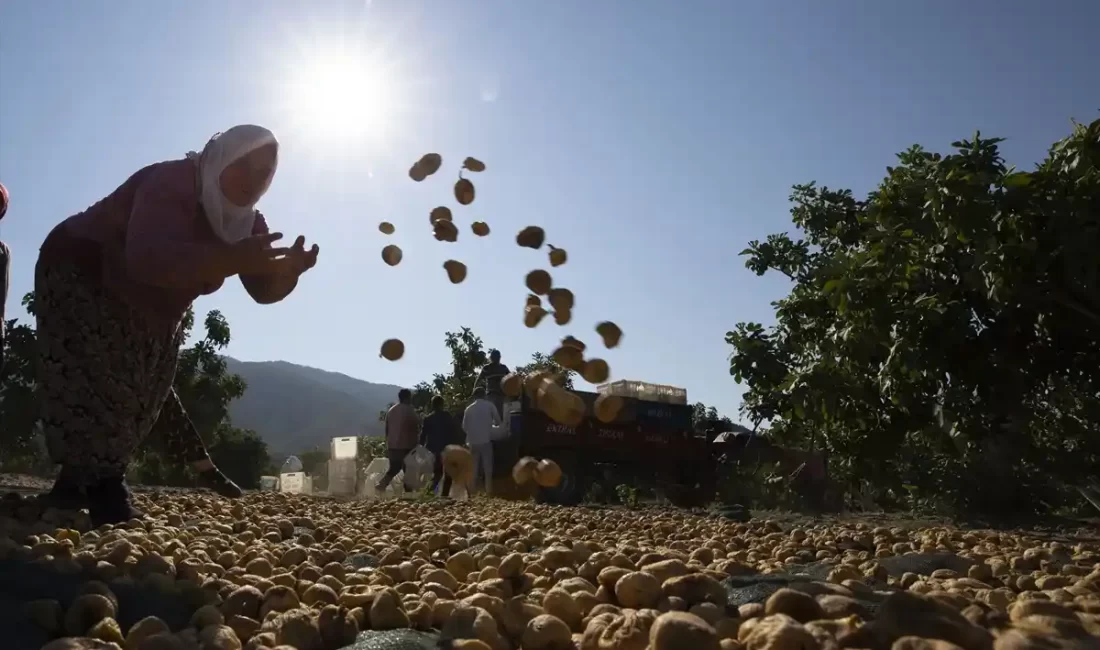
(341, 95)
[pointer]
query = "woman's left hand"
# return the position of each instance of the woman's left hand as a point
(299, 260)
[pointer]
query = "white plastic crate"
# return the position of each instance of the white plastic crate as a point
(344, 448)
(645, 391)
(341, 477)
(296, 483)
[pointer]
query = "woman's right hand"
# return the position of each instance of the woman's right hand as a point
(254, 255)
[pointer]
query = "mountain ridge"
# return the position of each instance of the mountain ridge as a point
(296, 408)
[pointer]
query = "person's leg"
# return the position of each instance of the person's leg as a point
(396, 458)
(94, 389)
(475, 451)
(437, 472)
(56, 327)
(487, 458)
(176, 436)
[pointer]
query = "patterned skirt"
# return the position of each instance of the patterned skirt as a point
(105, 375)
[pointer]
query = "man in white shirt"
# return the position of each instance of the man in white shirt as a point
(478, 422)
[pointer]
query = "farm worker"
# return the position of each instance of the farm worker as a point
(490, 378)
(111, 288)
(478, 422)
(5, 268)
(402, 430)
(440, 430)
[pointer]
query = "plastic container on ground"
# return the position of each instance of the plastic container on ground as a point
(373, 474)
(344, 448)
(646, 391)
(295, 483)
(418, 468)
(341, 477)
(269, 483)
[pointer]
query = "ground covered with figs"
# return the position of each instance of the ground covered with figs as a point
(282, 571)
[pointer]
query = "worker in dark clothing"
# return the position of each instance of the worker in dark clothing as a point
(439, 430)
(490, 377)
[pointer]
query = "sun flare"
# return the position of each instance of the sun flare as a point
(342, 95)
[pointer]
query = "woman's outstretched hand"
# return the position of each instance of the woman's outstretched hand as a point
(298, 259)
(254, 255)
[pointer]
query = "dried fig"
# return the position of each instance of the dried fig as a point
(386, 228)
(539, 282)
(533, 315)
(393, 349)
(610, 332)
(557, 256)
(607, 407)
(464, 191)
(458, 463)
(569, 357)
(442, 213)
(456, 271)
(473, 164)
(428, 164)
(512, 384)
(531, 237)
(533, 300)
(595, 371)
(547, 473)
(445, 231)
(563, 316)
(565, 407)
(524, 470)
(391, 255)
(561, 298)
(480, 228)
(574, 342)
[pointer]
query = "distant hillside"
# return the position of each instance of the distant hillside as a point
(295, 408)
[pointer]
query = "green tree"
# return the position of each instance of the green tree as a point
(206, 388)
(17, 402)
(242, 455)
(703, 417)
(468, 355)
(203, 382)
(540, 362)
(942, 336)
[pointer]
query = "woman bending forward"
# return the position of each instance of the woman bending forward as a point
(112, 285)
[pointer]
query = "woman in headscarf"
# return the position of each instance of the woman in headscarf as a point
(112, 285)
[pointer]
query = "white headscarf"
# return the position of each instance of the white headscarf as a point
(231, 223)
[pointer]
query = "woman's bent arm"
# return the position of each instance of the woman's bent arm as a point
(161, 247)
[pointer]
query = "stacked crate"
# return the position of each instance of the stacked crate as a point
(342, 473)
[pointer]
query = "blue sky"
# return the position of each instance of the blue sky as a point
(652, 140)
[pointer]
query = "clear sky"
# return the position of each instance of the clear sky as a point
(652, 140)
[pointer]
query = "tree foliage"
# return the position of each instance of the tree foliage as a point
(942, 336)
(18, 412)
(704, 417)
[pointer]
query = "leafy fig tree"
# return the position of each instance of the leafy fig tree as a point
(942, 335)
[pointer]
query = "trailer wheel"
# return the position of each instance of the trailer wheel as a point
(573, 486)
